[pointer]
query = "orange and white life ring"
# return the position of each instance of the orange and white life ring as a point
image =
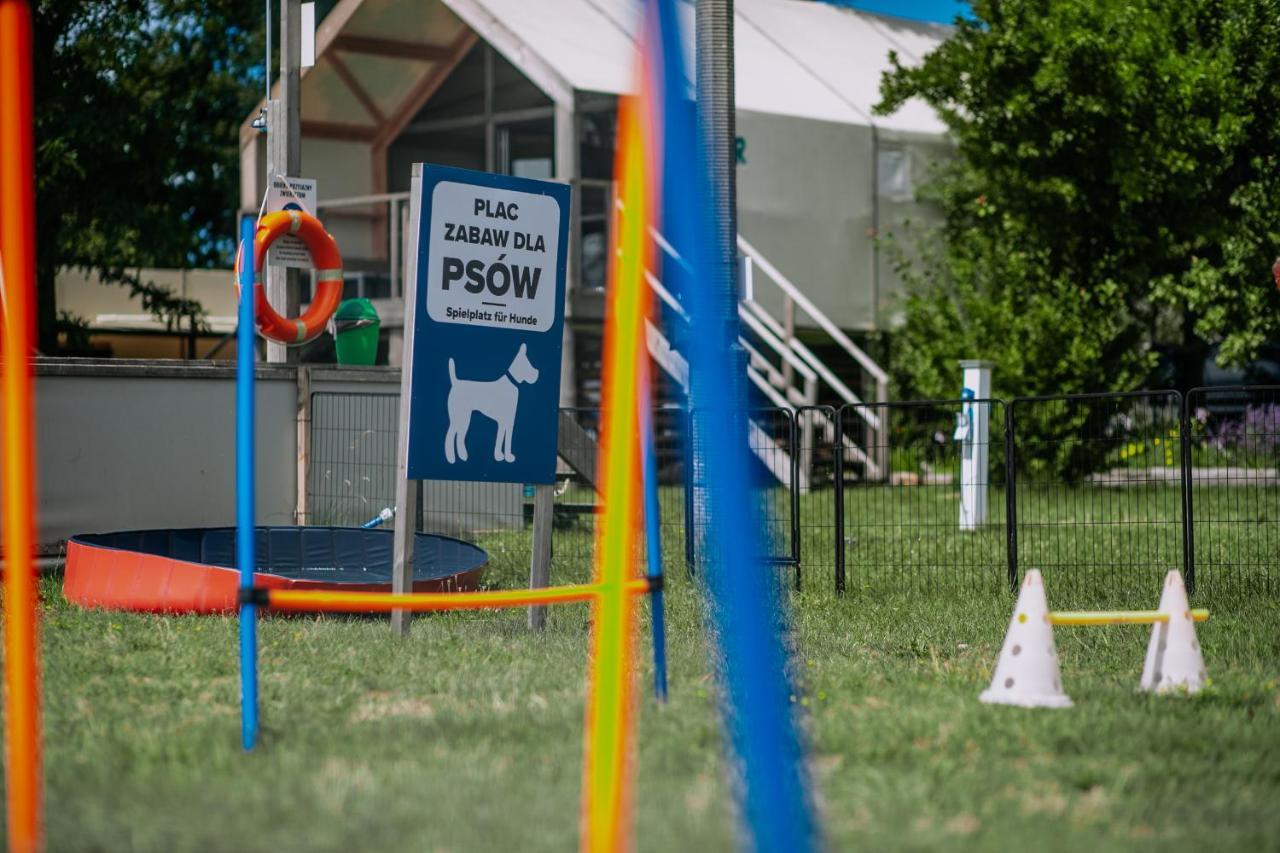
(328, 264)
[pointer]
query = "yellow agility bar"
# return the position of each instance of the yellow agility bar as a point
(384, 602)
(1119, 617)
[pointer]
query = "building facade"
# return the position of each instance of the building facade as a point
(531, 89)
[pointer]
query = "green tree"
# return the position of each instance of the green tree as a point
(1116, 184)
(138, 107)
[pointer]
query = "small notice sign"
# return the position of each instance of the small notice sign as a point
(290, 194)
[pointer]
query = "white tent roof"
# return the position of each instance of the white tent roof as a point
(794, 57)
(846, 52)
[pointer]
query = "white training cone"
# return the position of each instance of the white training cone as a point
(1027, 672)
(1173, 660)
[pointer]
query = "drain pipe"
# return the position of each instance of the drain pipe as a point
(772, 783)
(717, 130)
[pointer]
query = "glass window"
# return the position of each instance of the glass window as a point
(527, 148)
(593, 217)
(460, 146)
(893, 174)
(512, 90)
(461, 93)
(596, 135)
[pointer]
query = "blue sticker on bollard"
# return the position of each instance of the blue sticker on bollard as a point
(488, 327)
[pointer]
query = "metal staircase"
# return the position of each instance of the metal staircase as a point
(786, 371)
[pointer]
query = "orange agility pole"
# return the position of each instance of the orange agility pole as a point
(379, 602)
(17, 283)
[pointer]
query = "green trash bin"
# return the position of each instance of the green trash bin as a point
(356, 332)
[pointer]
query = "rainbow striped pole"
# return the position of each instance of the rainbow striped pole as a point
(245, 558)
(17, 287)
(606, 806)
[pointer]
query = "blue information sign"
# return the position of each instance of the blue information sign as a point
(488, 322)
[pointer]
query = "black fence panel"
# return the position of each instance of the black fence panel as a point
(817, 497)
(576, 505)
(771, 441)
(1104, 493)
(1233, 483)
(352, 479)
(912, 502)
(669, 428)
(1098, 502)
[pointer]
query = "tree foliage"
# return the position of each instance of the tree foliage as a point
(1116, 184)
(138, 106)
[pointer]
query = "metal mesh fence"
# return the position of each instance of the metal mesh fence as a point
(1106, 492)
(933, 515)
(352, 474)
(771, 441)
(1099, 503)
(1234, 482)
(352, 478)
(576, 503)
(492, 515)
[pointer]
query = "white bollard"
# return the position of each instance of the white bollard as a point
(972, 431)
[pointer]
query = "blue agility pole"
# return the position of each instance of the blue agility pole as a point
(246, 344)
(653, 537)
(773, 786)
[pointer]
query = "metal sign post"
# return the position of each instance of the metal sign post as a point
(484, 320)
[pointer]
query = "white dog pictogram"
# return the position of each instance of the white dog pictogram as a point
(495, 399)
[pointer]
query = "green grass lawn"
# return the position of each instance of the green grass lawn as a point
(467, 735)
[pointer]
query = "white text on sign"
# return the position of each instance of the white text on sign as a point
(492, 257)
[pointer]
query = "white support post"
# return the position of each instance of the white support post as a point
(275, 278)
(566, 154)
(393, 248)
(540, 559)
(973, 433)
(406, 493)
(400, 287)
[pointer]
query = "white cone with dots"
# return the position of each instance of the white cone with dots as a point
(1174, 662)
(1027, 672)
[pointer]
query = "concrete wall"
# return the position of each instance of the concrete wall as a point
(131, 446)
(127, 445)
